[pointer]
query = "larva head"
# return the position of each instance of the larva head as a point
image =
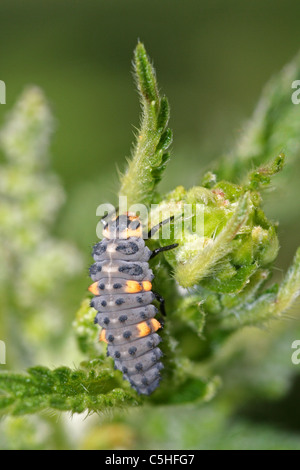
(123, 226)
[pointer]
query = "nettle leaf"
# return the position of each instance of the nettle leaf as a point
(190, 310)
(86, 331)
(191, 390)
(201, 265)
(272, 303)
(273, 126)
(93, 388)
(262, 175)
(150, 156)
(234, 284)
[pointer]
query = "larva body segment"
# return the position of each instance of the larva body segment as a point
(122, 249)
(113, 268)
(127, 317)
(116, 302)
(123, 299)
(136, 348)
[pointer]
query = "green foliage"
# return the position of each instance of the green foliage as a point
(274, 127)
(215, 282)
(35, 264)
(93, 387)
(150, 154)
(271, 303)
(191, 270)
(85, 329)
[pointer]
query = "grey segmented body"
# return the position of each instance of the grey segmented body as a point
(123, 299)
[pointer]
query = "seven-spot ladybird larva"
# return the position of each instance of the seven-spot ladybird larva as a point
(123, 299)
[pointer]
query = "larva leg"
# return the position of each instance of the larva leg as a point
(161, 301)
(158, 226)
(163, 248)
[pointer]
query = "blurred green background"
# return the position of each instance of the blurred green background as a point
(212, 59)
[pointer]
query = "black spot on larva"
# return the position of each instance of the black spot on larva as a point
(145, 381)
(124, 370)
(120, 301)
(92, 303)
(150, 344)
(132, 350)
(143, 315)
(117, 354)
(139, 366)
(94, 269)
(132, 269)
(103, 303)
(123, 318)
(102, 286)
(99, 249)
(95, 321)
(107, 353)
(127, 334)
(117, 286)
(106, 320)
(128, 248)
(111, 338)
(139, 299)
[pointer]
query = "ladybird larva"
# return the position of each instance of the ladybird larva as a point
(123, 296)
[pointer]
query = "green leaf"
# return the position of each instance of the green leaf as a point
(274, 126)
(192, 390)
(262, 176)
(145, 75)
(93, 388)
(233, 285)
(201, 265)
(85, 329)
(272, 303)
(154, 137)
(190, 310)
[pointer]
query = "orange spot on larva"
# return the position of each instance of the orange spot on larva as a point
(131, 216)
(102, 336)
(147, 286)
(138, 233)
(132, 287)
(155, 325)
(144, 329)
(147, 327)
(94, 288)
